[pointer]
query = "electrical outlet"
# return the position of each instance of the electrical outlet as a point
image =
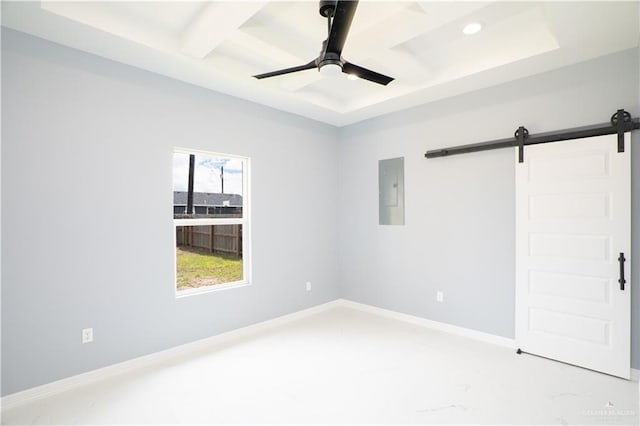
(87, 335)
(440, 296)
(308, 285)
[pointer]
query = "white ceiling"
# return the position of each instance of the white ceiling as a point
(220, 45)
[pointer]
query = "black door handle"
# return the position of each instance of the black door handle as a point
(621, 280)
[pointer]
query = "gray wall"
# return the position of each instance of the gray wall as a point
(87, 211)
(459, 233)
(79, 131)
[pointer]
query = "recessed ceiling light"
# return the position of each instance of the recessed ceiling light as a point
(472, 28)
(352, 77)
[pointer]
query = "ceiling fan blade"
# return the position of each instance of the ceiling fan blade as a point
(343, 15)
(366, 74)
(308, 66)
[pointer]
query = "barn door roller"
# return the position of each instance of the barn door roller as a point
(619, 123)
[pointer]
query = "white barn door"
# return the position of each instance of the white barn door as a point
(573, 221)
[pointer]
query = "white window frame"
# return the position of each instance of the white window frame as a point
(244, 221)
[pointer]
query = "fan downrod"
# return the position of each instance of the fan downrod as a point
(327, 8)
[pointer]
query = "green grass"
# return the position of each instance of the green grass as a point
(199, 268)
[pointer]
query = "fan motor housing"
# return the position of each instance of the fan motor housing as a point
(330, 58)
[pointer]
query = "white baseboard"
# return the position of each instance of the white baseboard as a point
(447, 328)
(49, 389)
(444, 327)
(434, 325)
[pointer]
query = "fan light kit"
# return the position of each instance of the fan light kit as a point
(472, 28)
(339, 15)
(330, 70)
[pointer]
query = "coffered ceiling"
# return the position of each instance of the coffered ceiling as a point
(220, 45)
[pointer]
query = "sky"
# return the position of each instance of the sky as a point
(206, 175)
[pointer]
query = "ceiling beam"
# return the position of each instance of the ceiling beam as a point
(400, 26)
(297, 81)
(266, 52)
(404, 66)
(215, 24)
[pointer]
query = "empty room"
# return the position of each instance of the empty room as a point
(320, 212)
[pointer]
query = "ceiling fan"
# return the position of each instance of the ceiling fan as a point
(339, 15)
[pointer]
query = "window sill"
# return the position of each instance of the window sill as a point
(210, 289)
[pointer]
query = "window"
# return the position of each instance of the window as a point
(210, 217)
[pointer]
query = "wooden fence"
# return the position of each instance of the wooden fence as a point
(213, 238)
